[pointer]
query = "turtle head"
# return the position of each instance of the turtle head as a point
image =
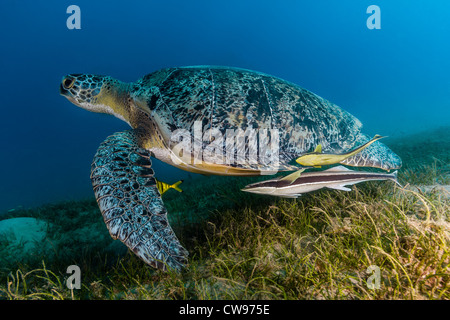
(96, 93)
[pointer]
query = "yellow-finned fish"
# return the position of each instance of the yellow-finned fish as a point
(317, 159)
(163, 187)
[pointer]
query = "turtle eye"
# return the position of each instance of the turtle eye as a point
(68, 83)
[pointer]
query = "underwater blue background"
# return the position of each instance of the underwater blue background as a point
(396, 80)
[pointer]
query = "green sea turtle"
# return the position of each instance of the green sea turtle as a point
(215, 101)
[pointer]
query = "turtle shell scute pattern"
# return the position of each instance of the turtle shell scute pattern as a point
(231, 98)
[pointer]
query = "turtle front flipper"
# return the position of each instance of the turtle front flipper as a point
(131, 204)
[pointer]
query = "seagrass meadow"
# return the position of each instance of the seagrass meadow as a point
(324, 245)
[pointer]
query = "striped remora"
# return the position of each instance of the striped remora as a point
(335, 178)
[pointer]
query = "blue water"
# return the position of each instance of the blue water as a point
(394, 79)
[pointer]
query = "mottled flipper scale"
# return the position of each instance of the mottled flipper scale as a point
(130, 202)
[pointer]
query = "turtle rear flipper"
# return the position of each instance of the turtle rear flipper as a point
(377, 155)
(131, 204)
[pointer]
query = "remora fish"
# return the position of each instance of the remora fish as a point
(317, 158)
(334, 178)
